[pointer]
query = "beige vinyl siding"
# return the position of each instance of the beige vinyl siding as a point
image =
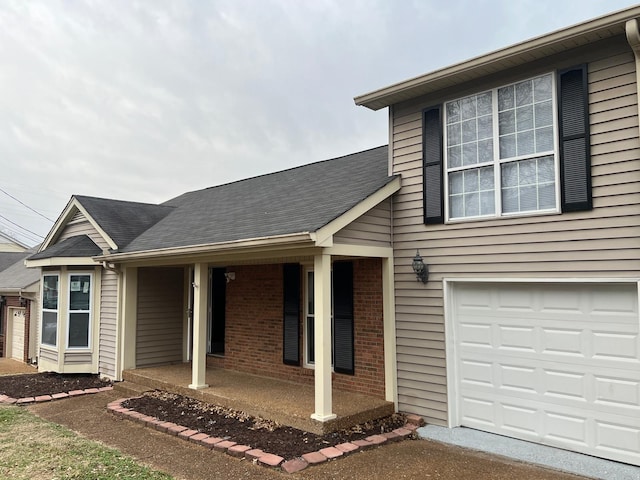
(596, 244)
(160, 313)
(77, 358)
(79, 225)
(373, 228)
(48, 355)
(108, 315)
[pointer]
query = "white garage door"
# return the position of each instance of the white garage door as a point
(17, 334)
(557, 364)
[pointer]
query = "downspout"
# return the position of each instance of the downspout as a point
(633, 39)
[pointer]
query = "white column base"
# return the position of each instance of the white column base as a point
(323, 418)
(198, 387)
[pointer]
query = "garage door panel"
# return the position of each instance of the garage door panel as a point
(563, 370)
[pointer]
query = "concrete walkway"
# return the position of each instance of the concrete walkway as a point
(8, 366)
(556, 458)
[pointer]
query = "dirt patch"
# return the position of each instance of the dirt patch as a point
(32, 385)
(266, 435)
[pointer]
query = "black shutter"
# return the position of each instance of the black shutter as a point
(291, 316)
(432, 161)
(343, 350)
(575, 154)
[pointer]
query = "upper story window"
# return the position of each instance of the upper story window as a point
(516, 149)
(500, 151)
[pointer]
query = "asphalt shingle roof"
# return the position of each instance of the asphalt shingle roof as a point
(122, 221)
(9, 258)
(301, 199)
(19, 276)
(79, 246)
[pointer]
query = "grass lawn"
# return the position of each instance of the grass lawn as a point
(33, 449)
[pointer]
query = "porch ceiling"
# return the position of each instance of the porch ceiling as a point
(278, 400)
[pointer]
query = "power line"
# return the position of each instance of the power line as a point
(21, 227)
(25, 205)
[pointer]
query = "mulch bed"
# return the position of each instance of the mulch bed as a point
(35, 384)
(266, 435)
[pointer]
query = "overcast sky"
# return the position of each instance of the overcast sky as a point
(144, 100)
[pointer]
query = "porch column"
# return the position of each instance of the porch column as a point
(200, 295)
(322, 333)
(389, 325)
(128, 319)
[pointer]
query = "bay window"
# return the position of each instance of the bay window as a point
(79, 310)
(49, 310)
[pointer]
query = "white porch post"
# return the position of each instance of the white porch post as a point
(389, 322)
(128, 320)
(322, 333)
(199, 357)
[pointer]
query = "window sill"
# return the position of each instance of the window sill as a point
(458, 221)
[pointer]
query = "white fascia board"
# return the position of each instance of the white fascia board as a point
(258, 244)
(350, 250)
(323, 236)
(61, 262)
(600, 26)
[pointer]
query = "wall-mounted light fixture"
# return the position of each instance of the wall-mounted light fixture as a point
(421, 270)
(1, 299)
(23, 302)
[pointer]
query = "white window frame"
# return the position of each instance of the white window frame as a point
(306, 336)
(49, 310)
(89, 311)
(496, 163)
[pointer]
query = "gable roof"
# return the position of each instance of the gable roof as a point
(297, 200)
(14, 244)
(122, 221)
(17, 276)
(539, 47)
(9, 258)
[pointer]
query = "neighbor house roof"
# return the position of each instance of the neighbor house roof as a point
(9, 258)
(297, 200)
(537, 48)
(18, 276)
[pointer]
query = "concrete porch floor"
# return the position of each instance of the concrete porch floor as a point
(284, 402)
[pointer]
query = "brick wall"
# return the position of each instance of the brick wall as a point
(253, 337)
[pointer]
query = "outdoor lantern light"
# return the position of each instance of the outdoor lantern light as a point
(422, 270)
(23, 302)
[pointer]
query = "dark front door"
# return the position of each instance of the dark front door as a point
(218, 296)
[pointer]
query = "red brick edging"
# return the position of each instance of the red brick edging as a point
(259, 457)
(7, 400)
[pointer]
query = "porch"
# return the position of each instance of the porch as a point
(284, 402)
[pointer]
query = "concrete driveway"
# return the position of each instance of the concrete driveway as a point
(413, 459)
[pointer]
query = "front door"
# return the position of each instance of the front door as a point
(218, 282)
(17, 333)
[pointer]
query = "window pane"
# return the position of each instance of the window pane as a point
(545, 170)
(310, 340)
(524, 118)
(510, 174)
(79, 330)
(468, 108)
(471, 181)
(453, 112)
(484, 103)
(485, 127)
(49, 328)
(469, 133)
(544, 139)
(455, 183)
(544, 114)
(469, 154)
(527, 172)
(486, 178)
(487, 203)
(507, 122)
(485, 151)
(526, 144)
(79, 292)
(524, 93)
(310, 297)
(505, 98)
(528, 185)
(542, 88)
(471, 205)
(454, 156)
(508, 146)
(547, 196)
(454, 135)
(50, 292)
(528, 198)
(456, 206)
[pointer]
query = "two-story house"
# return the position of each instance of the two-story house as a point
(521, 190)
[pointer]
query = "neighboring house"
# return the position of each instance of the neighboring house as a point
(287, 275)
(19, 300)
(10, 244)
(521, 189)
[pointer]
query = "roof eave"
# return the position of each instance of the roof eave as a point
(564, 39)
(60, 261)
